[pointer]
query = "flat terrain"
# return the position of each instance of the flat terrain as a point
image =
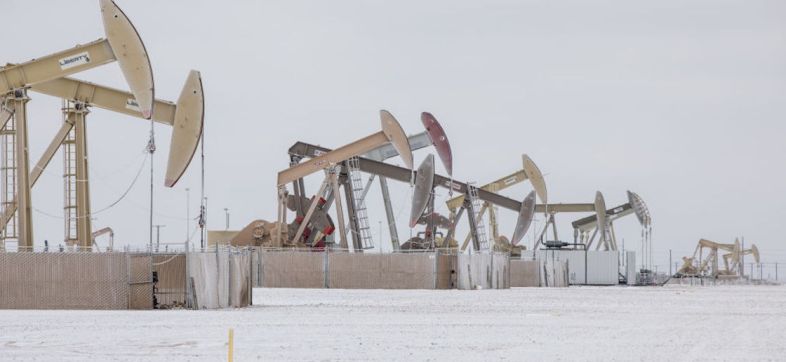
(584, 323)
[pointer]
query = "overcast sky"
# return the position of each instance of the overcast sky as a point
(680, 101)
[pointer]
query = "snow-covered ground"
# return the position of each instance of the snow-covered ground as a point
(578, 323)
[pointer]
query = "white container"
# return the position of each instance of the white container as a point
(587, 267)
(631, 267)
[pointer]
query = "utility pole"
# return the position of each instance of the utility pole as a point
(202, 197)
(151, 148)
(158, 234)
(670, 272)
(226, 212)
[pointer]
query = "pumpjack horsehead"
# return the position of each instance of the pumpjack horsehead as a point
(49, 75)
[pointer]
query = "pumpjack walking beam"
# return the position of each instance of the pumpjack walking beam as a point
(635, 205)
(404, 175)
(416, 142)
(434, 135)
(584, 226)
(529, 171)
(186, 117)
(122, 44)
(391, 133)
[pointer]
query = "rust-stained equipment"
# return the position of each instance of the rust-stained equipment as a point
(330, 161)
(350, 178)
(405, 175)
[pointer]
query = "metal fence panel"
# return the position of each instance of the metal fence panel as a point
(446, 271)
(291, 269)
(140, 281)
(63, 281)
(170, 290)
(382, 271)
(524, 273)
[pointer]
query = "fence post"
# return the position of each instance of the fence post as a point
(250, 276)
(491, 269)
(508, 262)
(776, 272)
(261, 270)
(435, 267)
(326, 268)
(188, 278)
(260, 282)
(218, 276)
(761, 271)
(128, 278)
(229, 276)
(152, 282)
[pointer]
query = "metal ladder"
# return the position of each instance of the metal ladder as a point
(8, 175)
(481, 226)
(69, 184)
(360, 205)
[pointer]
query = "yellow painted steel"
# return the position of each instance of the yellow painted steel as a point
(391, 133)
(103, 97)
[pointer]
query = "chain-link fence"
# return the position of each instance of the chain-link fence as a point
(169, 275)
(765, 272)
(140, 281)
(289, 268)
(539, 273)
(217, 278)
(63, 281)
(382, 271)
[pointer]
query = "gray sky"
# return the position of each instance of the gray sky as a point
(680, 101)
